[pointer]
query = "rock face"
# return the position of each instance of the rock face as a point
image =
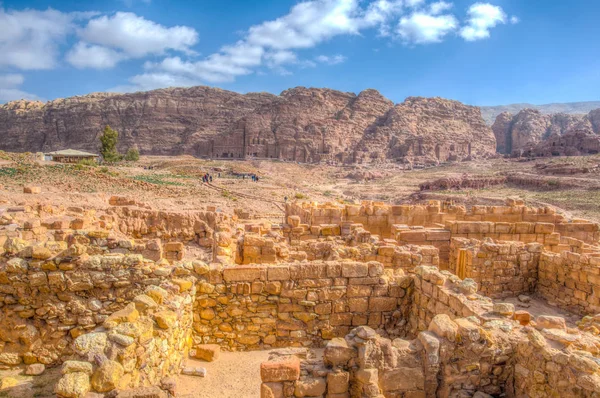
(529, 128)
(301, 124)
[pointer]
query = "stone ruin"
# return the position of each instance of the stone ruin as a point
(354, 300)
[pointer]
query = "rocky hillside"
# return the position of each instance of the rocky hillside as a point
(528, 128)
(490, 113)
(301, 124)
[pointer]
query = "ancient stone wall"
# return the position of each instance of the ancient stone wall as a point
(297, 304)
(452, 358)
(142, 344)
(51, 293)
(570, 281)
(554, 363)
(501, 269)
(267, 249)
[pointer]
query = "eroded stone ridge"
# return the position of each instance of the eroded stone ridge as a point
(301, 124)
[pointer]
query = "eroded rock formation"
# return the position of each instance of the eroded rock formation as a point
(523, 132)
(301, 124)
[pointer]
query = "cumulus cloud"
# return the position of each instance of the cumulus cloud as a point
(273, 43)
(331, 59)
(422, 28)
(9, 88)
(84, 55)
(107, 40)
(30, 39)
(482, 17)
(439, 7)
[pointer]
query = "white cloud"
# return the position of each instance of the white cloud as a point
(482, 17)
(84, 55)
(137, 36)
(151, 81)
(30, 39)
(9, 88)
(106, 40)
(439, 7)
(514, 20)
(331, 60)
(422, 28)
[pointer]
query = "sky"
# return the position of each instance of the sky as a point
(488, 52)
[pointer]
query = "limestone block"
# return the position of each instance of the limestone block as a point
(310, 387)
(283, 369)
(337, 352)
(73, 385)
(443, 326)
(241, 273)
(523, 317)
(505, 309)
(207, 352)
(337, 382)
(32, 189)
(271, 390)
(550, 322)
(402, 379)
(76, 367)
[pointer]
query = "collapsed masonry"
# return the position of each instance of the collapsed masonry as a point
(401, 296)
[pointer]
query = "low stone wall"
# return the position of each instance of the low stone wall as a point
(378, 217)
(441, 292)
(570, 281)
(464, 357)
(501, 269)
(141, 345)
(254, 248)
(298, 304)
(52, 292)
(546, 369)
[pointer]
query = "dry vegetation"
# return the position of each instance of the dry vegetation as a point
(166, 182)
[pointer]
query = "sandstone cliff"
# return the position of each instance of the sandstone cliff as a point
(529, 128)
(301, 124)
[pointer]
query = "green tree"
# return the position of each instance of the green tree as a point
(132, 155)
(109, 140)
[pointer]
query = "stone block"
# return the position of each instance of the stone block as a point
(31, 189)
(241, 273)
(284, 369)
(337, 352)
(380, 304)
(402, 379)
(550, 322)
(337, 382)
(271, 390)
(207, 352)
(310, 387)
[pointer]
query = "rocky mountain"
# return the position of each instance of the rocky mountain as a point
(300, 124)
(490, 113)
(516, 134)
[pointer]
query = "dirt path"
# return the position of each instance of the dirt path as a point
(233, 375)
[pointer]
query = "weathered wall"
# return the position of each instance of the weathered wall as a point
(501, 269)
(570, 281)
(298, 304)
(140, 345)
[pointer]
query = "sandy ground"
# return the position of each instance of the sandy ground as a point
(538, 306)
(233, 375)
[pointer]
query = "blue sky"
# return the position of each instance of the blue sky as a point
(483, 53)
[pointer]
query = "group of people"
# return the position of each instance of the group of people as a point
(253, 176)
(207, 178)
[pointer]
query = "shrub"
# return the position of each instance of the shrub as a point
(109, 140)
(132, 155)
(299, 195)
(87, 162)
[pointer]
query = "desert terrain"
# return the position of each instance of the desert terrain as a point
(188, 234)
